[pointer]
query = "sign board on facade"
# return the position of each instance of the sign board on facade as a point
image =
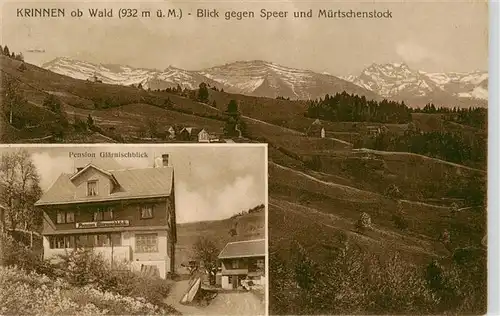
(100, 224)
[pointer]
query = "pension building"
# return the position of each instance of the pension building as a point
(126, 215)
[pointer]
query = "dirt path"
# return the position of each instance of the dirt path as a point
(238, 303)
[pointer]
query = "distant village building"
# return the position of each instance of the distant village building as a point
(243, 261)
(126, 215)
(173, 132)
(95, 79)
(213, 138)
(316, 129)
(194, 134)
(376, 130)
(373, 130)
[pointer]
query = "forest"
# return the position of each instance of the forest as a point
(344, 107)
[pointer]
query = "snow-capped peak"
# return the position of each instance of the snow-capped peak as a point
(399, 80)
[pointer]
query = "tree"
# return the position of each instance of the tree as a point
(90, 121)
(203, 93)
(6, 51)
(11, 95)
(232, 107)
(53, 103)
(234, 124)
(364, 222)
(20, 185)
(152, 126)
(206, 252)
(20, 57)
(168, 103)
(140, 85)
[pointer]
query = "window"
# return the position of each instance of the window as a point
(108, 214)
(146, 243)
(61, 217)
(92, 188)
(98, 215)
(98, 240)
(103, 214)
(65, 217)
(234, 264)
(61, 242)
(86, 241)
(146, 211)
(103, 241)
(255, 265)
(70, 217)
(116, 239)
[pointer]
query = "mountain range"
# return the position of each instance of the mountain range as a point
(266, 79)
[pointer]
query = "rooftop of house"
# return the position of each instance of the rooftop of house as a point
(129, 184)
(244, 249)
(193, 130)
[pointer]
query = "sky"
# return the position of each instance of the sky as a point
(211, 183)
(433, 36)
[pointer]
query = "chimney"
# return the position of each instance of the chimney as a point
(165, 161)
(79, 169)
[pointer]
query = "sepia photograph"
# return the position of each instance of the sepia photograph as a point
(375, 116)
(133, 230)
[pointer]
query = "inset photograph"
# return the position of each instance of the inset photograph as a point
(134, 229)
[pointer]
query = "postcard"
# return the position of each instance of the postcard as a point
(375, 116)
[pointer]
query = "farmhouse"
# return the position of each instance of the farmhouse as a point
(373, 130)
(194, 134)
(173, 131)
(316, 129)
(243, 260)
(128, 215)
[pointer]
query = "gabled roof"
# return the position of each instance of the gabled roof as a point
(131, 184)
(314, 129)
(197, 130)
(244, 249)
(91, 166)
(193, 130)
(187, 129)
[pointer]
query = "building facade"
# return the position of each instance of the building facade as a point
(127, 215)
(243, 261)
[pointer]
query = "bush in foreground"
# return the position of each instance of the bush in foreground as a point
(83, 267)
(23, 293)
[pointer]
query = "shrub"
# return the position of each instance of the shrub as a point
(400, 221)
(14, 253)
(133, 284)
(364, 222)
(397, 287)
(24, 293)
(393, 191)
(83, 266)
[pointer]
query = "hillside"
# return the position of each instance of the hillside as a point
(247, 226)
(318, 187)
